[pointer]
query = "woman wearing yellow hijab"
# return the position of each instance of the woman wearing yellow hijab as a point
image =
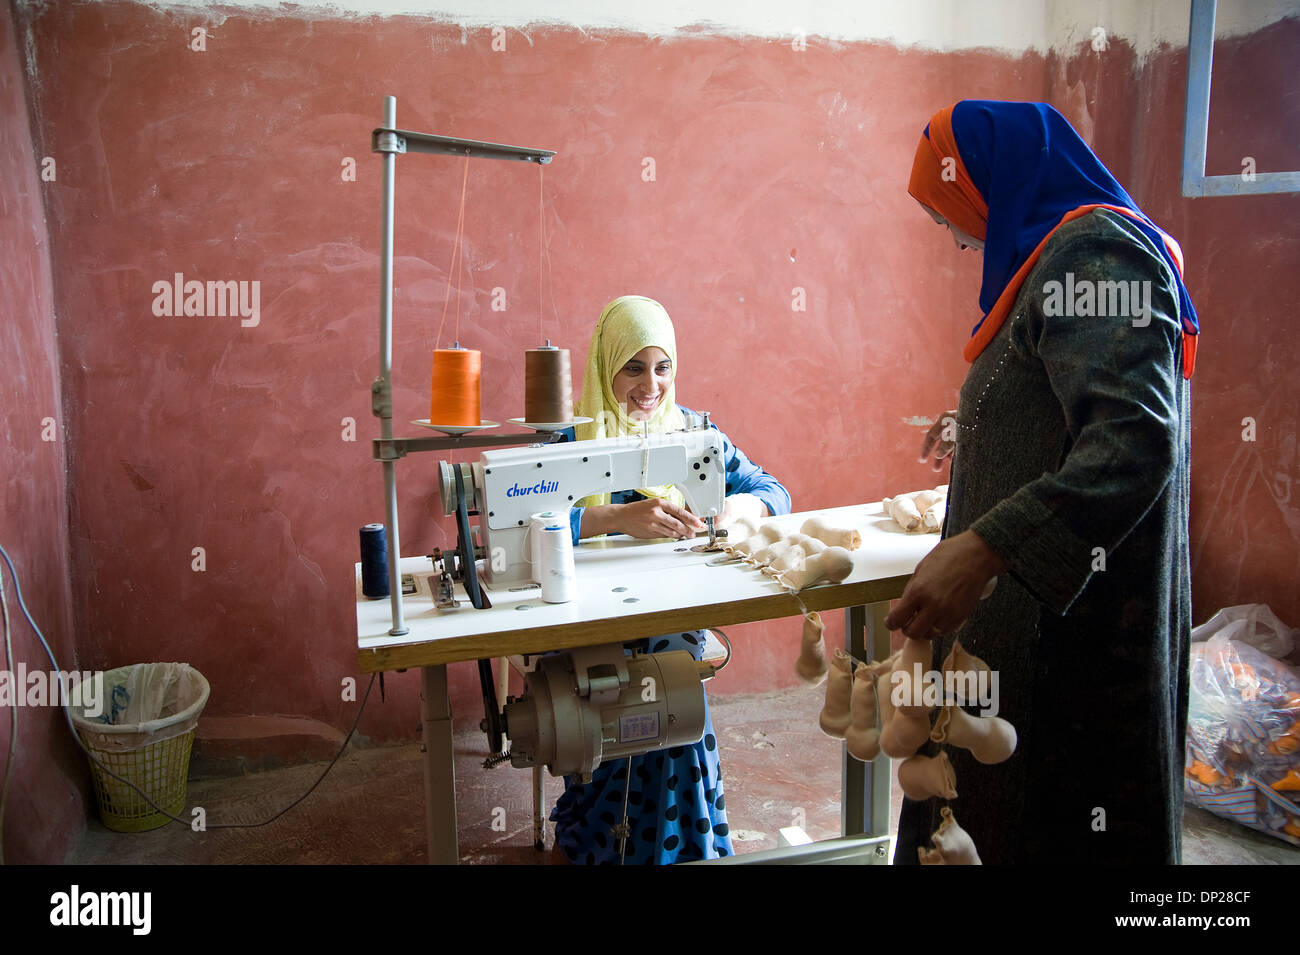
(629, 388)
(675, 803)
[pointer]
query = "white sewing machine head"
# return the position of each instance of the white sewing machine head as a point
(508, 486)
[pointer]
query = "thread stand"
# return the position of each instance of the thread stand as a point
(390, 142)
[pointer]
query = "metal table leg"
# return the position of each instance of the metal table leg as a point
(439, 767)
(864, 789)
(539, 809)
(864, 801)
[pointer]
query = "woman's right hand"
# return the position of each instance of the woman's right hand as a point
(941, 439)
(655, 517)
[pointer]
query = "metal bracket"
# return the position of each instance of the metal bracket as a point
(387, 141)
(384, 139)
(389, 449)
(381, 399)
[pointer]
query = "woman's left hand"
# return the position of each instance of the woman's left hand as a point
(946, 587)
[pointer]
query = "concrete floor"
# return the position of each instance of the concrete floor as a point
(370, 809)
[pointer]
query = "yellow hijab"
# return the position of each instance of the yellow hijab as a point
(627, 325)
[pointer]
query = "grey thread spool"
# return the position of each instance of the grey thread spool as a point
(548, 384)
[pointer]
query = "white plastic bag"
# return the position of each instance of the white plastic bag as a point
(1254, 624)
(141, 704)
(1243, 733)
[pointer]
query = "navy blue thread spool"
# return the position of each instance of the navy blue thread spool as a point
(374, 561)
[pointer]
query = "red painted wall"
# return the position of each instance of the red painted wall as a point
(46, 803)
(1245, 274)
(774, 170)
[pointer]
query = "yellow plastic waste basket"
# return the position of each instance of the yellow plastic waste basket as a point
(142, 729)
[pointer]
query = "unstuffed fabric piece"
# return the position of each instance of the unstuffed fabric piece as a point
(850, 538)
(990, 739)
(901, 733)
(952, 844)
(835, 716)
(811, 665)
(863, 735)
(923, 777)
(833, 565)
(918, 512)
(768, 533)
(801, 547)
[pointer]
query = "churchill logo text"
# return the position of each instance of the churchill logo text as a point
(542, 487)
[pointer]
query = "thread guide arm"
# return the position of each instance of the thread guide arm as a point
(385, 139)
(391, 449)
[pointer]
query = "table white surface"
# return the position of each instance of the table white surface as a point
(629, 588)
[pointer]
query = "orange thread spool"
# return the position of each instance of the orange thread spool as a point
(455, 388)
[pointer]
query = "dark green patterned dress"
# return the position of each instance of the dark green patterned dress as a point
(1072, 462)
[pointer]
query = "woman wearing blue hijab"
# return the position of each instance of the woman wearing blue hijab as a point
(1069, 486)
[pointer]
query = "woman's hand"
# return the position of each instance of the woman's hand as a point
(946, 586)
(941, 439)
(654, 517)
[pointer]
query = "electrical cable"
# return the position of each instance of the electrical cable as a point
(624, 829)
(13, 735)
(67, 713)
(728, 645)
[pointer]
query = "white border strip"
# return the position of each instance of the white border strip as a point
(1015, 26)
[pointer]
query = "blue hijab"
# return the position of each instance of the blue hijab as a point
(1032, 168)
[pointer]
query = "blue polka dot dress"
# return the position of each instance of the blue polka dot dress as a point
(675, 804)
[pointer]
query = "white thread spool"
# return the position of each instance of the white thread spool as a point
(558, 574)
(536, 522)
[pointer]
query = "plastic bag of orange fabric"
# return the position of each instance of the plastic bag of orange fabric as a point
(1243, 736)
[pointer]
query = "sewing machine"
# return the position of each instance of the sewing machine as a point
(507, 486)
